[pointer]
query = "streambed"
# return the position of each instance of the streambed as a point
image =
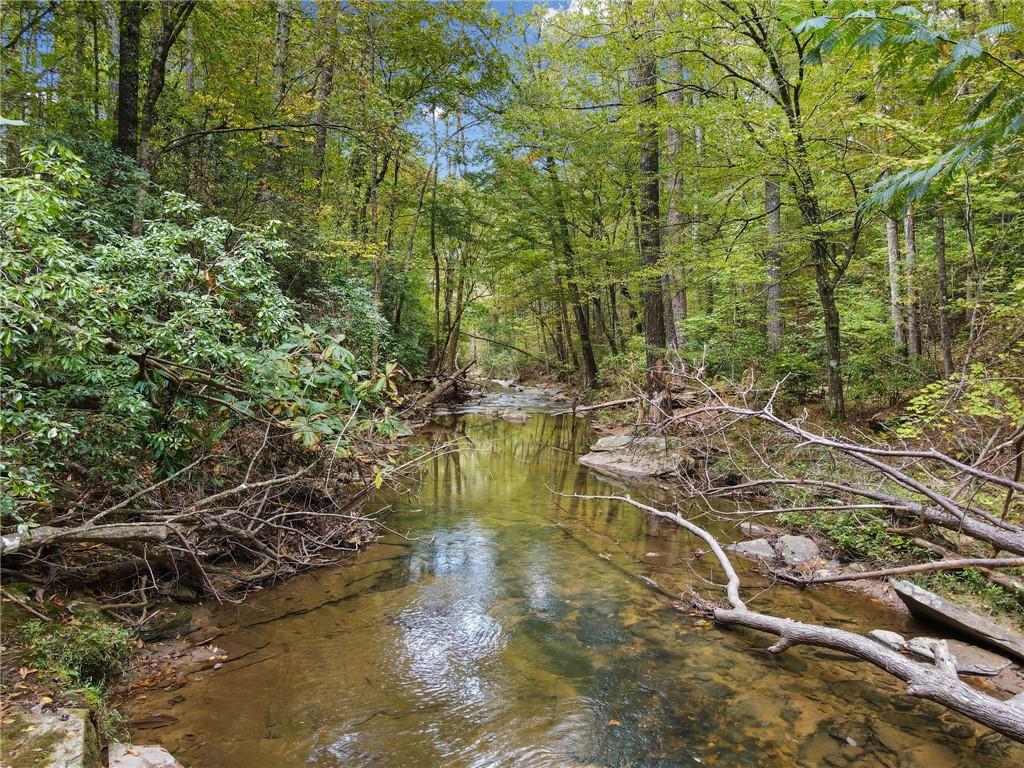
(501, 629)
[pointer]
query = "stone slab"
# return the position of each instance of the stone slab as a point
(50, 739)
(136, 756)
(754, 548)
(928, 605)
(638, 456)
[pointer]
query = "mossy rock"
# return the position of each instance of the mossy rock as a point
(168, 621)
(62, 738)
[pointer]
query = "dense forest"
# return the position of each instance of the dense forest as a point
(237, 238)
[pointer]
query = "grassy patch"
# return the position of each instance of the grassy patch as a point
(853, 536)
(83, 656)
(972, 583)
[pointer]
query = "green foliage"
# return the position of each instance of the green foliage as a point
(114, 344)
(982, 396)
(86, 650)
(970, 581)
(933, 44)
(859, 536)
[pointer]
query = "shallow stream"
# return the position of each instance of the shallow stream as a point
(505, 627)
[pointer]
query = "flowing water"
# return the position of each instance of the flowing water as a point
(505, 627)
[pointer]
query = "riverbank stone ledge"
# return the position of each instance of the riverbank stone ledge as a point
(639, 456)
(44, 738)
(931, 606)
(134, 756)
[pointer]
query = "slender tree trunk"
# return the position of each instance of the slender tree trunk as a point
(773, 261)
(613, 316)
(95, 23)
(435, 354)
(910, 260)
(645, 78)
(945, 332)
(126, 140)
(674, 219)
(282, 39)
(173, 18)
(325, 85)
(111, 9)
(892, 241)
(565, 254)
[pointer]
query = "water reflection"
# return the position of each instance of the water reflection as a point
(508, 630)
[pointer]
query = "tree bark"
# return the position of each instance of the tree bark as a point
(674, 218)
(564, 253)
(645, 78)
(773, 262)
(945, 332)
(910, 260)
(325, 85)
(126, 139)
(892, 241)
(173, 18)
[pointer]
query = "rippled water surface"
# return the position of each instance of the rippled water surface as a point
(509, 629)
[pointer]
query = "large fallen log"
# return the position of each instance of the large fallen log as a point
(936, 681)
(109, 533)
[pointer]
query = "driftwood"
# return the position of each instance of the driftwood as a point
(938, 681)
(939, 565)
(443, 387)
(598, 406)
(1011, 584)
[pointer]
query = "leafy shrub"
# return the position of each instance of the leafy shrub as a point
(121, 348)
(87, 650)
(852, 536)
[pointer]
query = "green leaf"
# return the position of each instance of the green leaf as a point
(969, 48)
(813, 24)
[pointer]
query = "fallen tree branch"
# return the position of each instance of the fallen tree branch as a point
(936, 682)
(15, 599)
(938, 565)
(598, 406)
(443, 386)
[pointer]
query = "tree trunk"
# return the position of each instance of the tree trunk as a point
(565, 254)
(645, 78)
(126, 140)
(111, 8)
(773, 261)
(910, 260)
(945, 332)
(892, 241)
(282, 38)
(324, 86)
(674, 219)
(173, 18)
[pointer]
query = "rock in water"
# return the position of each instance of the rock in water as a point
(928, 605)
(797, 550)
(755, 548)
(639, 456)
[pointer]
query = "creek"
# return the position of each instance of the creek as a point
(503, 626)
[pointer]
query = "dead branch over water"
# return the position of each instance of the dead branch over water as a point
(938, 682)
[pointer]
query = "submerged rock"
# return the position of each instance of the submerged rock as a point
(639, 456)
(928, 605)
(754, 548)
